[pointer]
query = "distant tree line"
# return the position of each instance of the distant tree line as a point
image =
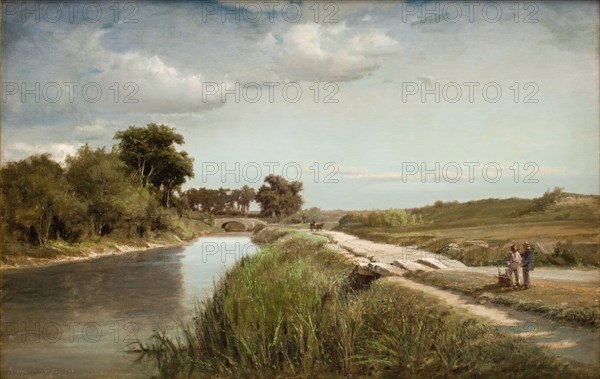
(220, 201)
(277, 197)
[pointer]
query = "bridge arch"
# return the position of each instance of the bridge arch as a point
(238, 224)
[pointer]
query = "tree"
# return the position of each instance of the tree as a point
(220, 201)
(99, 180)
(279, 197)
(246, 196)
(35, 193)
(151, 155)
(207, 198)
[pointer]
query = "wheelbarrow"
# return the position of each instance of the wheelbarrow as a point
(504, 278)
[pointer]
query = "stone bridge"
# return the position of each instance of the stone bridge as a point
(238, 224)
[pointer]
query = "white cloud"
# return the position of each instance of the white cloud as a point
(373, 43)
(428, 79)
(58, 151)
(91, 129)
(314, 52)
(133, 81)
(162, 88)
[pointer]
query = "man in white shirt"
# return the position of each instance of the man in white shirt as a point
(513, 262)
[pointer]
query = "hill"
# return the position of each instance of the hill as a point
(564, 228)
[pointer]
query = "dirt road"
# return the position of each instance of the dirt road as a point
(580, 345)
(421, 259)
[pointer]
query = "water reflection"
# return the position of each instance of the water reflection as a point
(78, 320)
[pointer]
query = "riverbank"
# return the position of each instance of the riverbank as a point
(17, 256)
(299, 309)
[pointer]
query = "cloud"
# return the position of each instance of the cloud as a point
(107, 81)
(90, 130)
(58, 151)
(157, 87)
(313, 52)
(428, 79)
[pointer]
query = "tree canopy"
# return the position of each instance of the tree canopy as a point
(34, 192)
(95, 191)
(220, 201)
(151, 155)
(99, 180)
(279, 197)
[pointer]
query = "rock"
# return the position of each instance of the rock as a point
(386, 269)
(364, 269)
(432, 262)
(410, 265)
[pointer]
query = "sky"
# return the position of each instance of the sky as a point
(369, 104)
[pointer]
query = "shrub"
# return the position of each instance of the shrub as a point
(378, 218)
(548, 199)
(304, 216)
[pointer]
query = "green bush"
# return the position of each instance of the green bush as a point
(545, 201)
(304, 216)
(378, 218)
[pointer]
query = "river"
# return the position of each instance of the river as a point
(77, 320)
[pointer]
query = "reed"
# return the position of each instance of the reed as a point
(292, 311)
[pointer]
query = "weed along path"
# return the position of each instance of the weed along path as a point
(579, 345)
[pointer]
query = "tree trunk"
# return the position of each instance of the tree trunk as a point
(167, 194)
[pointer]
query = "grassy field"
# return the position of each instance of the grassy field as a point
(296, 310)
(480, 232)
(573, 302)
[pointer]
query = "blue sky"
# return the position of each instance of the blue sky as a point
(374, 59)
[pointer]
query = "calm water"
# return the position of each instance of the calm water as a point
(78, 320)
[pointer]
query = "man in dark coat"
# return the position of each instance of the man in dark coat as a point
(527, 264)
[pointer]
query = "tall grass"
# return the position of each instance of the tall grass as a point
(292, 310)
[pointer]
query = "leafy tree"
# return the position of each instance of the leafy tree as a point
(279, 197)
(233, 204)
(151, 155)
(100, 181)
(208, 198)
(220, 201)
(35, 194)
(245, 197)
(192, 199)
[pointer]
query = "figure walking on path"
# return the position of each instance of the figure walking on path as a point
(513, 262)
(527, 264)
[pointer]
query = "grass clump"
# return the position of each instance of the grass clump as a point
(293, 310)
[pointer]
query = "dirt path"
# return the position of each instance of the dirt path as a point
(580, 345)
(550, 273)
(407, 257)
(424, 260)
